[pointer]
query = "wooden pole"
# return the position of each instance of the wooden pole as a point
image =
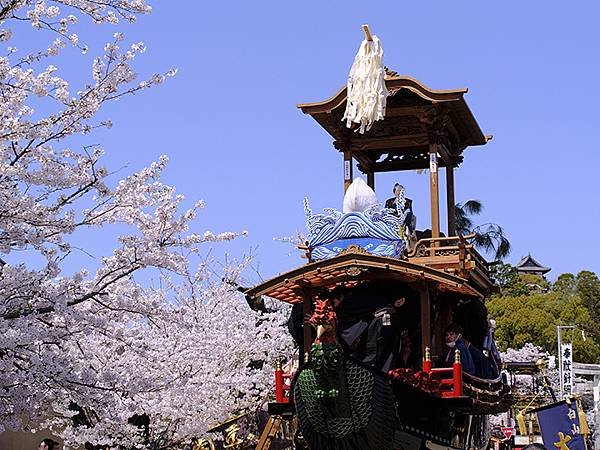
(367, 31)
(347, 169)
(434, 191)
(441, 321)
(371, 179)
(425, 317)
(450, 201)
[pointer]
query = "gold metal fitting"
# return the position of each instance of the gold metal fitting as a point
(456, 356)
(541, 364)
(427, 354)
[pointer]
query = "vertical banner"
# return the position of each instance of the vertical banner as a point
(566, 375)
(433, 163)
(347, 170)
(560, 427)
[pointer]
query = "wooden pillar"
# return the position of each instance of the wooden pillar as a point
(347, 169)
(425, 316)
(443, 319)
(450, 201)
(434, 191)
(371, 179)
(307, 327)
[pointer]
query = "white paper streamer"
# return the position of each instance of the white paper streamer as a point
(367, 93)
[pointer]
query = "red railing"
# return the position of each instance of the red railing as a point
(283, 384)
(450, 378)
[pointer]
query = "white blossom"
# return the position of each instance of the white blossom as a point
(100, 340)
(5, 35)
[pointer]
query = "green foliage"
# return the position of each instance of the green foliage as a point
(534, 283)
(503, 274)
(565, 284)
(463, 221)
(587, 286)
(514, 284)
(489, 237)
(526, 311)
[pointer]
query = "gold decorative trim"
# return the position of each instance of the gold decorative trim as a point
(353, 248)
(355, 271)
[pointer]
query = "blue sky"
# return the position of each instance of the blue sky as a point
(229, 124)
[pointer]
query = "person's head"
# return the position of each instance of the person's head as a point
(397, 189)
(452, 334)
(48, 444)
(399, 302)
(335, 296)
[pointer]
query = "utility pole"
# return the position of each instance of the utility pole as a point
(597, 409)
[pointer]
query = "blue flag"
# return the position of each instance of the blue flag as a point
(559, 424)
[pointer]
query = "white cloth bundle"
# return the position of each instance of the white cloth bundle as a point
(366, 90)
(358, 197)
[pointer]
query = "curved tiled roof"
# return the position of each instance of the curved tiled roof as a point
(328, 112)
(528, 264)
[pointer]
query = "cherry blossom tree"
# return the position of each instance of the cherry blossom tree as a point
(523, 384)
(532, 353)
(85, 352)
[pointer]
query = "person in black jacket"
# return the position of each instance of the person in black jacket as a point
(481, 363)
(455, 341)
(392, 203)
(295, 325)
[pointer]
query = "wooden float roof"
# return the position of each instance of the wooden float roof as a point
(415, 115)
(356, 265)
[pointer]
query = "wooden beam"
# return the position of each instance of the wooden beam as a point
(450, 201)
(398, 165)
(364, 160)
(407, 111)
(445, 155)
(347, 169)
(434, 191)
(425, 297)
(390, 142)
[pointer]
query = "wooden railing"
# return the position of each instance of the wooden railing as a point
(453, 254)
(441, 246)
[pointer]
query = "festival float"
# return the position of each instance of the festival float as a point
(540, 415)
(377, 298)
